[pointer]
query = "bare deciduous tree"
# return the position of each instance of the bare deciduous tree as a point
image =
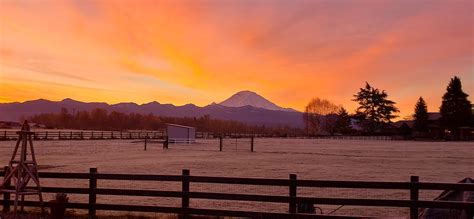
(320, 116)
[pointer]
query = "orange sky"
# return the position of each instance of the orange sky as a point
(193, 51)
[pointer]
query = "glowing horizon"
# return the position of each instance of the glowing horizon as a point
(204, 51)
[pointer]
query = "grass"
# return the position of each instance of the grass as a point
(72, 214)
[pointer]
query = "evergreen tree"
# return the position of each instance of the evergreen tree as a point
(421, 116)
(343, 122)
(456, 108)
(375, 107)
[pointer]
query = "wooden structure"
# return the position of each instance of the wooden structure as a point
(63, 135)
(290, 185)
(180, 133)
(85, 135)
(22, 169)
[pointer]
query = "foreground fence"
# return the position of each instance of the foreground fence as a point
(292, 199)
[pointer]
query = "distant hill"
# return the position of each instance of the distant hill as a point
(249, 98)
(248, 114)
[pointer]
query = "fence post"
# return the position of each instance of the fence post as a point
(251, 144)
(146, 139)
(292, 194)
(185, 192)
(220, 143)
(46, 137)
(59, 135)
(165, 143)
(82, 136)
(92, 194)
(5, 135)
(6, 196)
(414, 195)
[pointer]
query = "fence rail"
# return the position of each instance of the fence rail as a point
(292, 199)
(85, 135)
(108, 135)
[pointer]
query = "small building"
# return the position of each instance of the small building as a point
(180, 133)
(9, 125)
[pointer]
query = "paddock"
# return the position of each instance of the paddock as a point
(312, 159)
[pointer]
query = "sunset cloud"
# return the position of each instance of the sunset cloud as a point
(197, 51)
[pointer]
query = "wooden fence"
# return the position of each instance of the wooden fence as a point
(110, 135)
(86, 135)
(292, 199)
(107, 135)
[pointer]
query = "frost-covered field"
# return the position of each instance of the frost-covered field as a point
(273, 158)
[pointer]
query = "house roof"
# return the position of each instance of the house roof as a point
(399, 124)
(181, 126)
(434, 116)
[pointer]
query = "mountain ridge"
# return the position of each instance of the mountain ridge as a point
(247, 114)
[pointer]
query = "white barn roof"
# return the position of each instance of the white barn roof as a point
(180, 133)
(181, 126)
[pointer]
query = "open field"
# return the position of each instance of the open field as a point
(274, 158)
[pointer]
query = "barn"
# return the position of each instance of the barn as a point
(180, 133)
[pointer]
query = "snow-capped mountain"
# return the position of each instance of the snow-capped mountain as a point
(249, 98)
(246, 114)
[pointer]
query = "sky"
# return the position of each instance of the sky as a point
(203, 51)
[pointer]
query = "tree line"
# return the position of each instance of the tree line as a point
(374, 115)
(456, 111)
(376, 112)
(101, 119)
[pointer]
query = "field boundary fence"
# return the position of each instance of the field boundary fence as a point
(293, 200)
(86, 135)
(6, 135)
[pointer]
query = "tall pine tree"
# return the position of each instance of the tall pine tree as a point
(421, 116)
(375, 107)
(456, 108)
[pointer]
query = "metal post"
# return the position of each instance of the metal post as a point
(92, 194)
(414, 195)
